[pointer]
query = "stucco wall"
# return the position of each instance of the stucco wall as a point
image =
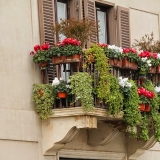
(19, 32)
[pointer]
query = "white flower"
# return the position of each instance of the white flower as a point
(144, 59)
(149, 62)
(55, 82)
(157, 89)
(61, 78)
(128, 85)
(158, 55)
(67, 86)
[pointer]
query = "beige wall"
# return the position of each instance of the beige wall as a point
(19, 32)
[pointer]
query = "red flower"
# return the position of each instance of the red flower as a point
(145, 92)
(46, 46)
(129, 50)
(102, 45)
(70, 41)
(32, 53)
(36, 48)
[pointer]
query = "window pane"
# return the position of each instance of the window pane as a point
(101, 17)
(61, 14)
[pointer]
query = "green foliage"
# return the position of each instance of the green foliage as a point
(144, 127)
(42, 56)
(103, 86)
(62, 87)
(45, 102)
(132, 57)
(148, 43)
(79, 29)
(110, 53)
(82, 88)
(115, 98)
(154, 114)
(132, 115)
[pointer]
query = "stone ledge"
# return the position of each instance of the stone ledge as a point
(78, 111)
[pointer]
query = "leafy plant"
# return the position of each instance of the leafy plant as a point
(45, 100)
(132, 115)
(115, 98)
(148, 43)
(103, 86)
(62, 87)
(79, 29)
(42, 53)
(82, 88)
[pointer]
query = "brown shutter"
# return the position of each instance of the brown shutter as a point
(46, 19)
(90, 13)
(123, 24)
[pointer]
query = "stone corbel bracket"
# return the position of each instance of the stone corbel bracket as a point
(57, 131)
(137, 147)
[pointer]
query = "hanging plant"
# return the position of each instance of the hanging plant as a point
(43, 96)
(115, 99)
(101, 61)
(80, 84)
(132, 115)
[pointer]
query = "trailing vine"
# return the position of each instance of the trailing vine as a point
(103, 86)
(43, 96)
(155, 116)
(132, 115)
(115, 99)
(82, 88)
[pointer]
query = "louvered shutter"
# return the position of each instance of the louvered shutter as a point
(46, 20)
(123, 24)
(90, 13)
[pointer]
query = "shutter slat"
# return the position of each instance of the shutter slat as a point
(123, 27)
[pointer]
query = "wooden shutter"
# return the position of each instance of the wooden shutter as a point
(90, 13)
(46, 20)
(123, 24)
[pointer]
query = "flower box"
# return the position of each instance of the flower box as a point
(58, 60)
(62, 94)
(158, 69)
(115, 62)
(152, 70)
(129, 65)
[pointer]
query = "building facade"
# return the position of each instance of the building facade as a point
(69, 133)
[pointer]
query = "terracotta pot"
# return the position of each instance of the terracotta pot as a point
(62, 94)
(125, 63)
(115, 62)
(68, 59)
(142, 107)
(147, 108)
(158, 69)
(43, 64)
(133, 65)
(58, 60)
(41, 92)
(152, 70)
(76, 58)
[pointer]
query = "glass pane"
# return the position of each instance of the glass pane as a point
(101, 17)
(61, 14)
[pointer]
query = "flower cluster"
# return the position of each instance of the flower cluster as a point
(129, 50)
(148, 54)
(115, 48)
(69, 41)
(37, 47)
(145, 59)
(123, 82)
(61, 85)
(103, 45)
(144, 92)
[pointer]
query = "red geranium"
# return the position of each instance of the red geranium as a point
(46, 46)
(70, 41)
(36, 48)
(145, 92)
(129, 50)
(148, 54)
(103, 45)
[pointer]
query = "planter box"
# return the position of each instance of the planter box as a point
(115, 62)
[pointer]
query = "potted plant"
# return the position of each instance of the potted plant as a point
(67, 51)
(80, 84)
(114, 54)
(61, 88)
(43, 96)
(41, 54)
(130, 58)
(77, 29)
(132, 115)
